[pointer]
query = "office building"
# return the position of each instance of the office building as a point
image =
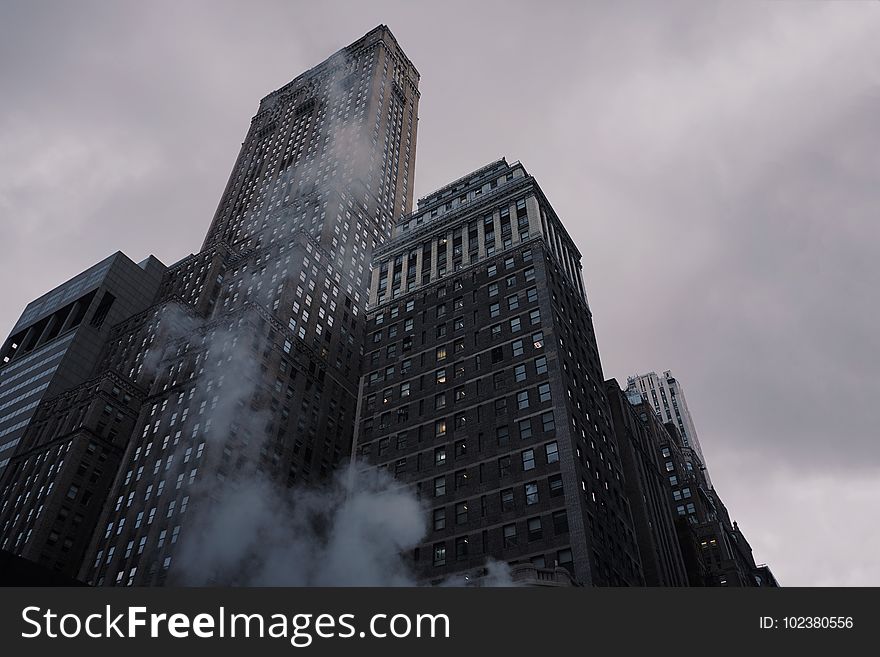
(484, 391)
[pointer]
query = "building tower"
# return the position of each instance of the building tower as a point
(483, 387)
(666, 395)
(246, 362)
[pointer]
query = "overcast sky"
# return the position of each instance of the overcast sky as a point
(717, 164)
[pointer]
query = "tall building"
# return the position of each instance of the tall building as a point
(247, 359)
(65, 425)
(484, 391)
(667, 398)
(638, 436)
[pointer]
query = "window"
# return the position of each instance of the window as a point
(564, 558)
(522, 399)
(560, 522)
(404, 389)
(503, 436)
(665, 452)
(440, 487)
(495, 310)
(535, 317)
(685, 493)
(552, 451)
(528, 459)
(461, 547)
(439, 519)
(525, 429)
(507, 499)
(516, 325)
(518, 348)
(530, 274)
(441, 309)
(513, 302)
(541, 365)
(673, 480)
(509, 533)
(496, 331)
(493, 290)
(440, 428)
(459, 323)
(461, 513)
(504, 466)
(440, 376)
(440, 401)
(548, 422)
(538, 340)
(531, 489)
(532, 294)
(534, 526)
(460, 393)
(519, 373)
(555, 483)
(544, 392)
(461, 479)
(670, 466)
(441, 353)
(460, 448)
(440, 456)
(440, 554)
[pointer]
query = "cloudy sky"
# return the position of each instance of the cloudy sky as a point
(717, 164)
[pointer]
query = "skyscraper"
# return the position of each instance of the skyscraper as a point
(647, 486)
(65, 425)
(666, 395)
(483, 388)
(249, 356)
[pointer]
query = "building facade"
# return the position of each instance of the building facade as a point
(648, 489)
(484, 391)
(65, 430)
(666, 396)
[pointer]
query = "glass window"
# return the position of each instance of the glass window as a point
(509, 533)
(531, 489)
(439, 519)
(528, 459)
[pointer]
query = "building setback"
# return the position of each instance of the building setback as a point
(483, 387)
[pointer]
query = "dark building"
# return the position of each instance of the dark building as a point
(647, 488)
(715, 552)
(65, 433)
(483, 387)
(250, 357)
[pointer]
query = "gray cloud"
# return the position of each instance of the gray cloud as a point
(716, 163)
